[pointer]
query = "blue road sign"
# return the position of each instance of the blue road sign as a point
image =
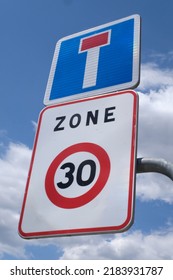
(98, 60)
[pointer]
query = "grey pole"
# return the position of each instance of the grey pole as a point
(154, 165)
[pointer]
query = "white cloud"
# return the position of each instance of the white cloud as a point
(13, 174)
(154, 78)
(151, 186)
(136, 245)
(155, 132)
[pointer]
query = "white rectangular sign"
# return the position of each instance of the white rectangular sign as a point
(82, 173)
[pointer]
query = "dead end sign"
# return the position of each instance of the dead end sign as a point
(99, 60)
(82, 172)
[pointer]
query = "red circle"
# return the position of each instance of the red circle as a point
(75, 202)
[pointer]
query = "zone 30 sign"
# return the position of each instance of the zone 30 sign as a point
(81, 177)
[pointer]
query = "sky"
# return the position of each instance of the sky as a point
(29, 31)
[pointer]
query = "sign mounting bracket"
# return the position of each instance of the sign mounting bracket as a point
(155, 165)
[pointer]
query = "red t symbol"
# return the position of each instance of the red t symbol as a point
(92, 46)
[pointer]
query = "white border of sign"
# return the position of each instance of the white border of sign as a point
(136, 64)
(99, 152)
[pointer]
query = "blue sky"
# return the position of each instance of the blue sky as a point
(29, 32)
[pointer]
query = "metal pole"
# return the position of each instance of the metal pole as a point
(154, 165)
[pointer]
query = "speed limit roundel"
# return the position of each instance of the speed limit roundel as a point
(65, 202)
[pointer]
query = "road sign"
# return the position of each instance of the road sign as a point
(98, 60)
(82, 173)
